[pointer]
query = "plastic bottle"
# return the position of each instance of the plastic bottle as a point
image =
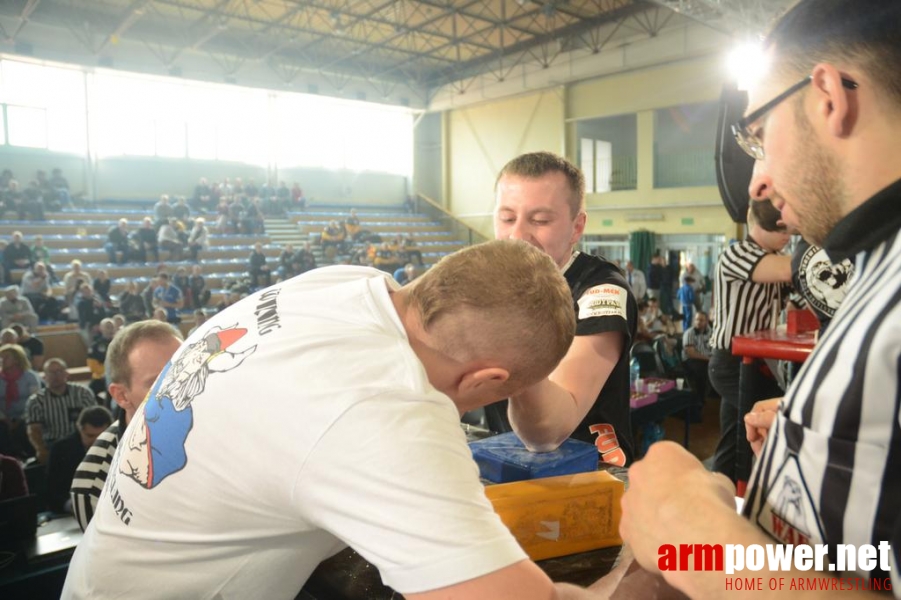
(634, 372)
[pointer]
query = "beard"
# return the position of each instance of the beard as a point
(817, 186)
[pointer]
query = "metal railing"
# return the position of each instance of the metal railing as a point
(424, 205)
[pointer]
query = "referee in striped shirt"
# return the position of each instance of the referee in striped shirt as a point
(751, 285)
(51, 413)
(824, 125)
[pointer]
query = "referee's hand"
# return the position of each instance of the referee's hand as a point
(759, 421)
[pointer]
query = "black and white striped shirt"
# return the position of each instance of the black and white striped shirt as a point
(91, 474)
(57, 414)
(743, 306)
(830, 471)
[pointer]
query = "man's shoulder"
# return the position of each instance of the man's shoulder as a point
(594, 270)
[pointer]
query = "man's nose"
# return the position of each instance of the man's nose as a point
(520, 231)
(761, 186)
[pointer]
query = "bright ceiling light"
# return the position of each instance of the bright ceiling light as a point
(747, 64)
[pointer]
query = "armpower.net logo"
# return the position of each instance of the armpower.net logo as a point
(746, 561)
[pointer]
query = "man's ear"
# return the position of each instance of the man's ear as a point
(479, 381)
(118, 392)
(835, 103)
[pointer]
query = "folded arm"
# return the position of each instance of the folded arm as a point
(545, 414)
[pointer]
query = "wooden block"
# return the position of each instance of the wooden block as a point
(557, 516)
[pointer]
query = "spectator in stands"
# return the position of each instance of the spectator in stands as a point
(5, 176)
(252, 220)
(16, 255)
(117, 247)
(40, 253)
(696, 353)
(74, 279)
(655, 276)
(283, 198)
(182, 211)
(168, 240)
(182, 281)
(147, 293)
(119, 321)
(198, 239)
(36, 287)
(304, 259)
(14, 309)
(159, 314)
(386, 258)
(31, 205)
(636, 280)
(50, 413)
(258, 269)
(4, 274)
(102, 287)
(168, 297)
(352, 225)
(131, 305)
(17, 383)
(8, 336)
(162, 211)
(297, 197)
(97, 356)
(61, 186)
(67, 454)
(410, 204)
(33, 346)
(696, 283)
(407, 274)
(144, 238)
(228, 299)
(199, 319)
(657, 322)
(250, 188)
(91, 311)
(687, 300)
(12, 199)
(134, 359)
(49, 195)
(286, 262)
(333, 236)
(410, 251)
(200, 200)
(12, 478)
(200, 295)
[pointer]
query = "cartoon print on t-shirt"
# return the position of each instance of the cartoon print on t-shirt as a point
(155, 447)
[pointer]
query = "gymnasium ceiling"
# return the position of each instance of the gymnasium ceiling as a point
(383, 47)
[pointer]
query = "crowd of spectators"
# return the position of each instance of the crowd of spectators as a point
(31, 201)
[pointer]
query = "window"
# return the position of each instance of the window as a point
(141, 115)
(27, 126)
(608, 153)
(684, 145)
(44, 106)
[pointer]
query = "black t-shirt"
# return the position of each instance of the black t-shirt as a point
(603, 302)
(33, 347)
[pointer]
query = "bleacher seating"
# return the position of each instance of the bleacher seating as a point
(81, 234)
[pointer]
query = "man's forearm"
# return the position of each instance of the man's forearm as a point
(543, 415)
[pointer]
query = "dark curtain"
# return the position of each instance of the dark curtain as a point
(641, 249)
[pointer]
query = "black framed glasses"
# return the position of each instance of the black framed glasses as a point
(747, 139)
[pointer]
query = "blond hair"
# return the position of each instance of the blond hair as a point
(537, 164)
(503, 300)
(19, 353)
(117, 367)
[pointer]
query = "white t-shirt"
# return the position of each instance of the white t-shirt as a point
(290, 425)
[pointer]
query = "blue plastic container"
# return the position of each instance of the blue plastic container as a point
(503, 458)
